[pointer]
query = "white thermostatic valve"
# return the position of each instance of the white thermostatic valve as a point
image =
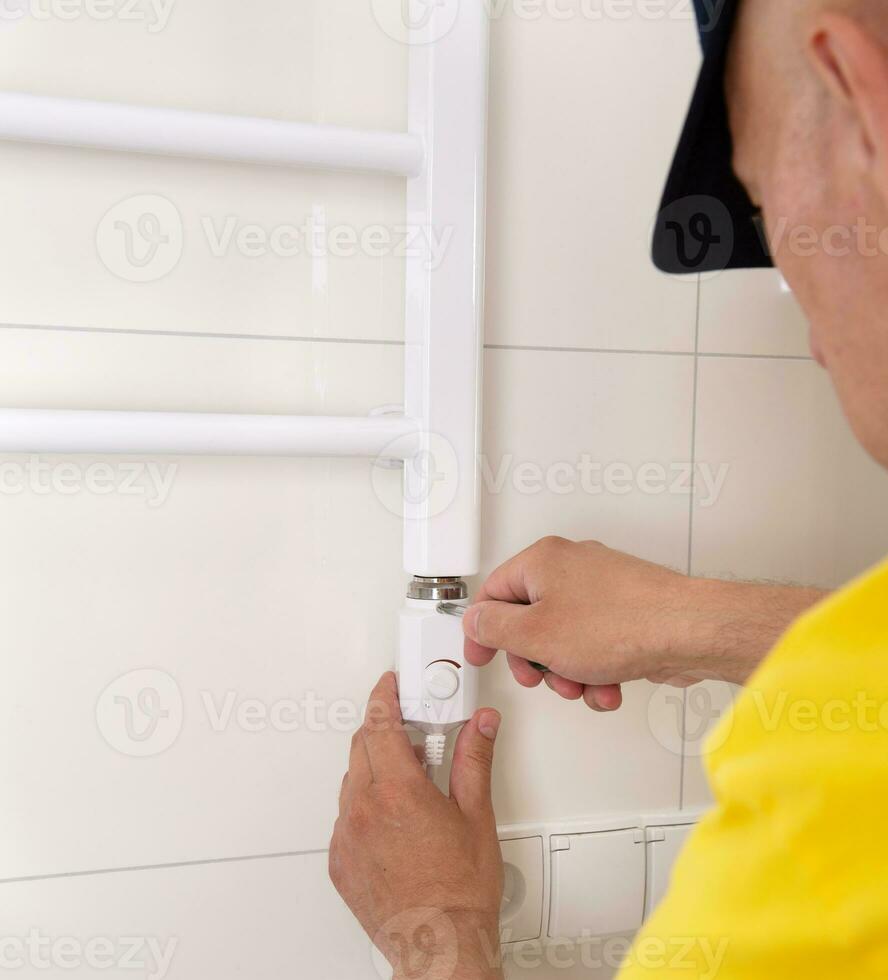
(438, 689)
(442, 681)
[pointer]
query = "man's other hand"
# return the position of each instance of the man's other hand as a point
(421, 871)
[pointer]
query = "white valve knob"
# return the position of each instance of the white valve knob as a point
(441, 681)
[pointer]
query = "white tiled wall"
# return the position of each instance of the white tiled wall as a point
(251, 585)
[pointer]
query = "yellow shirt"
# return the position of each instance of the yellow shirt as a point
(788, 876)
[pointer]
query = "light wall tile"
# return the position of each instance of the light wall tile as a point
(242, 586)
(705, 705)
(98, 370)
(263, 919)
(546, 411)
(801, 503)
(317, 60)
(245, 250)
(580, 146)
(328, 61)
(751, 311)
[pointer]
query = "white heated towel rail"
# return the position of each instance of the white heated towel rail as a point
(205, 135)
(442, 155)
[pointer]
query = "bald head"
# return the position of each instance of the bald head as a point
(807, 92)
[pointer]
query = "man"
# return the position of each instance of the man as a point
(789, 872)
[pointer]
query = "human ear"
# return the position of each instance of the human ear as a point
(853, 67)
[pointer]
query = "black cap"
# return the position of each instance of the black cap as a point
(706, 221)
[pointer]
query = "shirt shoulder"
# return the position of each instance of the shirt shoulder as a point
(785, 876)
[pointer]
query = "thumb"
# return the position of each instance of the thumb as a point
(500, 626)
(473, 763)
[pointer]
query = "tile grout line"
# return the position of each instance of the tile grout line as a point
(586, 350)
(758, 357)
(196, 334)
(291, 338)
(53, 876)
(690, 557)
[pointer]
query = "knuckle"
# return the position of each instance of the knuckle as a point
(397, 799)
(547, 552)
(493, 627)
(334, 863)
(360, 815)
(479, 759)
(390, 798)
(485, 628)
(536, 629)
(377, 717)
(552, 543)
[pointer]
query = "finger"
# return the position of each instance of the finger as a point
(358, 775)
(343, 791)
(495, 625)
(567, 689)
(508, 583)
(526, 675)
(605, 697)
(472, 764)
(474, 653)
(505, 584)
(389, 752)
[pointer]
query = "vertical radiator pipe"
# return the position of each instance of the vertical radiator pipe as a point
(448, 111)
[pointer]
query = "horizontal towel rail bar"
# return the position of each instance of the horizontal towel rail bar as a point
(185, 133)
(37, 430)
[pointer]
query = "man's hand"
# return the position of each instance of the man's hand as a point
(598, 618)
(422, 872)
